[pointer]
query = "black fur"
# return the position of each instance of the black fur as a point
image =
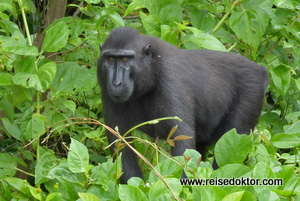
(211, 91)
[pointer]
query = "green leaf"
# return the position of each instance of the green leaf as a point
(208, 193)
(29, 5)
(46, 162)
(266, 194)
(294, 128)
(78, 157)
(134, 5)
(9, 26)
(20, 94)
(202, 20)
(169, 35)
(233, 148)
(17, 44)
(25, 65)
(240, 195)
(92, 1)
(35, 127)
(55, 197)
(249, 25)
(284, 4)
(204, 41)
(200, 40)
(70, 78)
(116, 18)
(56, 37)
(262, 170)
(8, 165)
(70, 105)
(7, 6)
(150, 24)
(159, 191)
(286, 173)
(232, 170)
(88, 197)
(194, 158)
(69, 183)
(6, 79)
(286, 141)
(20, 184)
(58, 117)
(236, 196)
(281, 78)
(8, 108)
(167, 168)
(12, 129)
(169, 12)
(132, 193)
(297, 81)
(106, 172)
(27, 80)
(46, 74)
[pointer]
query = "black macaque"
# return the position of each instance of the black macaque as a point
(144, 78)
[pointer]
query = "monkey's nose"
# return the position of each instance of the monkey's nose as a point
(115, 83)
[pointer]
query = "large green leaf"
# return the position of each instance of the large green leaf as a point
(35, 127)
(202, 20)
(203, 41)
(159, 191)
(169, 35)
(17, 44)
(284, 4)
(8, 165)
(286, 141)
(56, 37)
(71, 78)
(232, 148)
(8, 108)
(27, 80)
(6, 79)
(200, 40)
(281, 78)
(12, 128)
(43, 166)
(25, 65)
(88, 197)
(249, 25)
(164, 11)
(127, 192)
(208, 193)
(150, 24)
(46, 74)
(116, 18)
(78, 157)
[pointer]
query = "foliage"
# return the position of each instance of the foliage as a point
(49, 152)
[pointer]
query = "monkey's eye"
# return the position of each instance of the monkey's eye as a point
(111, 59)
(124, 59)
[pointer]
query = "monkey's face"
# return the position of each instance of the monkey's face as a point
(119, 66)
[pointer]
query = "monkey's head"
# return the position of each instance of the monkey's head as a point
(126, 65)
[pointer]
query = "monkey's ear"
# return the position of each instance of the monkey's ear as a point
(100, 45)
(147, 50)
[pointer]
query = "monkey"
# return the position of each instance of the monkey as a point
(143, 78)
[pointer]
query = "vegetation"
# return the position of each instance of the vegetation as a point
(52, 145)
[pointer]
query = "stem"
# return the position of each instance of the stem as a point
(155, 121)
(38, 102)
(25, 22)
(20, 170)
(225, 16)
(234, 44)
